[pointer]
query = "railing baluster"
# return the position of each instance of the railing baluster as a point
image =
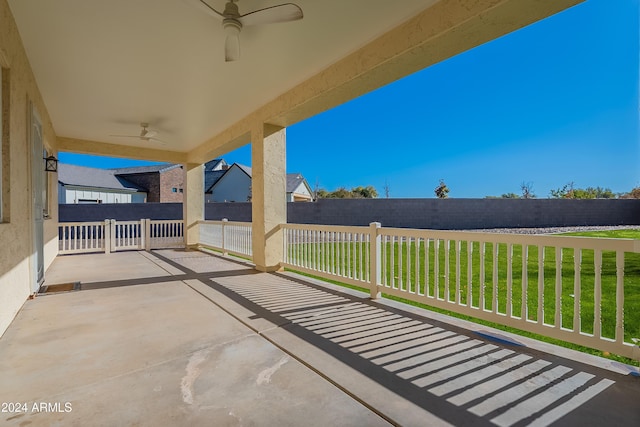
(509, 307)
(400, 266)
(494, 294)
(427, 267)
(558, 299)
(540, 284)
(619, 297)
(481, 301)
(469, 274)
(577, 290)
(458, 248)
(597, 294)
(524, 304)
(447, 270)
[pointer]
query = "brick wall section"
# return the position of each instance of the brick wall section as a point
(449, 214)
(150, 181)
(169, 180)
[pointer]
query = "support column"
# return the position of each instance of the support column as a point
(268, 195)
(192, 202)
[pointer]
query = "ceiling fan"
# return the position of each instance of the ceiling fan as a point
(145, 134)
(233, 21)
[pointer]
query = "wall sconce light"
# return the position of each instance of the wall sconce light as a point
(51, 164)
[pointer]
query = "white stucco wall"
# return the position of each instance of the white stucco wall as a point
(16, 230)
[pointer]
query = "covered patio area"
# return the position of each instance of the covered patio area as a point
(184, 337)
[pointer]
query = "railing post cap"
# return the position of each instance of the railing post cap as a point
(375, 224)
(225, 220)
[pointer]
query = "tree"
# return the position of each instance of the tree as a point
(368, 192)
(568, 191)
(527, 190)
(633, 194)
(387, 190)
(510, 196)
(442, 191)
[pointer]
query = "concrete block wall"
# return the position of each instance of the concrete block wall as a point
(449, 214)
(120, 211)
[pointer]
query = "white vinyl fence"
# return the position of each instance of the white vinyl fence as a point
(570, 288)
(111, 235)
(226, 236)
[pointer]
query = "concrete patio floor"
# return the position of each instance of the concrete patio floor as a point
(177, 337)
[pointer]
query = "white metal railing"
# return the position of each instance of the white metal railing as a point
(83, 237)
(569, 288)
(111, 235)
(329, 251)
(226, 236)
(127, 235)
(164, 234)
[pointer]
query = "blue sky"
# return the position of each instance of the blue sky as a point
(552, 103)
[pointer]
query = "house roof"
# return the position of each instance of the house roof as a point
(293, 179)
(211, 165)
(210, 179)
(145, 169)
(244, 168)
(94, 177)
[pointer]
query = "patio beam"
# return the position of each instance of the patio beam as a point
(268, 190)
(84, 146)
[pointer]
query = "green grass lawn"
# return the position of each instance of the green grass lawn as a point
(347, 257)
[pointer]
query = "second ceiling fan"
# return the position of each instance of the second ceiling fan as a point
(233, 21)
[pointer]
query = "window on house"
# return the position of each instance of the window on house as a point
(181, 190)
(174, 190)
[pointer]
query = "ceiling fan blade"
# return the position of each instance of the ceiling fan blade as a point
(270, 15)
(205, 7)
(126, 136)
(146, 138)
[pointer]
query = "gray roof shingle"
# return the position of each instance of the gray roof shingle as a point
(93, 177)
(210, 179)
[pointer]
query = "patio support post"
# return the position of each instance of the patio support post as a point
(268, 195)
(375, 263)
(193, 202)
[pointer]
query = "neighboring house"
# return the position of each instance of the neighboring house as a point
(79, 184)
(234, 185)
(298, 189)
(163, 183)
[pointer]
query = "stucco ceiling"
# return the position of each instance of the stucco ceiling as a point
(104, 66)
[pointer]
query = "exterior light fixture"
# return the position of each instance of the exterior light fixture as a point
(51, 164)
